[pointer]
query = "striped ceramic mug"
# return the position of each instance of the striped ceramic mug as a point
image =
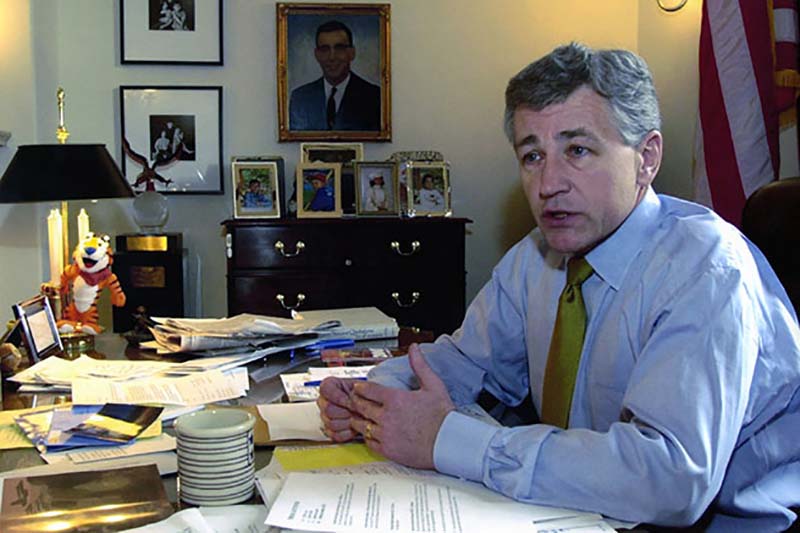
(216, 463)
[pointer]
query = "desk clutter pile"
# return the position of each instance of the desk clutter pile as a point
(106, 450)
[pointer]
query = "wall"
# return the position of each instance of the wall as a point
(451, 60)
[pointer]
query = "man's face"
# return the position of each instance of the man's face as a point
(334, 55)
(580, 179)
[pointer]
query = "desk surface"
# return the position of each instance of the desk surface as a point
(113, 346)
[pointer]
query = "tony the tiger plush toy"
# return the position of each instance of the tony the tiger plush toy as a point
(88, 274)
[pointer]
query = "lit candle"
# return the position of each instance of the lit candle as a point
(83, 225)
(54, 236)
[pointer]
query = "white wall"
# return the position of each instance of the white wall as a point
(451, 60)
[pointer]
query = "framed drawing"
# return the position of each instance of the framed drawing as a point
(334, 76)
(428, 187)
(170, 32)
(376, 189)
(257, 187)
(331, 152)
(319, 190)
(172, 138)
(38, 325)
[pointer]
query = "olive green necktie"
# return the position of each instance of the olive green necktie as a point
(565, 346)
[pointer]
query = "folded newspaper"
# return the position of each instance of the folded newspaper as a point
(249, 330)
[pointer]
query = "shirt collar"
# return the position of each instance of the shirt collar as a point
(611, 258)
(339, 88)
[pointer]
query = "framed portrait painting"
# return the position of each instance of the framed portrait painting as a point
(172, 138)
(334, 76)
(376, 189)
(428, 187)
(171, 32)
(257, 187)
(319, 190)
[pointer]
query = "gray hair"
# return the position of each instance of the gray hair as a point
(619, 76)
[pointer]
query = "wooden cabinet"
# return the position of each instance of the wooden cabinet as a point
(412, 269)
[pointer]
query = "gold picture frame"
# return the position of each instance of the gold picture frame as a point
(257, 188)
(315, 152)
(319, 190)
(374, 198)
(359, 35)
(423, 200)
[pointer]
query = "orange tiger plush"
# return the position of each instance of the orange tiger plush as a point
(88, 274)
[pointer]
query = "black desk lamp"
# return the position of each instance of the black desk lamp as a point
(62, 172)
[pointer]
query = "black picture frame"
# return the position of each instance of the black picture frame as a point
(38, 326)
(193, 111)
(364, 111)
(151, 36)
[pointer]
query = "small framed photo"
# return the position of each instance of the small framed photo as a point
(39, 329)
(257, 187)
(319, 190)
(172, 138)
(334, 76)
(376, 189)
(331, 152)
(428, 186)
(171, 32)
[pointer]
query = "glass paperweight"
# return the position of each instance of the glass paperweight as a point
(150, 211)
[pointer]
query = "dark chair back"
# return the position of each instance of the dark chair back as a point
(771, 219)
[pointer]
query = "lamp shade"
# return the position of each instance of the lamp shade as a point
(53, 172)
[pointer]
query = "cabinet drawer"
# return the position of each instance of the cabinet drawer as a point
(427, 302)
(275, 295)
(286, 247)
(403, 246)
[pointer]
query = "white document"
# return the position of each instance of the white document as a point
(57, 371)
(356, 503)
(304, 386)
(293, 421)
(206, 387)
(224, 519)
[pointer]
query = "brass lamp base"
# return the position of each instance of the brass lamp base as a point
(76, 343)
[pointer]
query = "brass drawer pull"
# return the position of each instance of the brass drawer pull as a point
(298, 249)
(414, 297)
(281, 300)
(415, 246)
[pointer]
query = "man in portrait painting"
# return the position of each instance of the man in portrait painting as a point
(340, 99)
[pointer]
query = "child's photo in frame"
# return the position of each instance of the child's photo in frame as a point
(429, 189)
(376, 189)
(256, 192)
(319, 189)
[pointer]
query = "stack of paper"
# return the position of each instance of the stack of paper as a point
(304, 386)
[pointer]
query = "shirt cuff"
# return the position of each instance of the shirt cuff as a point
(461, 446)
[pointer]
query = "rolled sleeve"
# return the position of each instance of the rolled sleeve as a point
(461, 445)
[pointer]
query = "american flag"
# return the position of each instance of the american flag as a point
(748, 86)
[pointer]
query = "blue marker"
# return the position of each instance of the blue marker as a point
(318, 382)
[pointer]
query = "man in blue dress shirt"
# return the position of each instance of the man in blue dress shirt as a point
(685, 407)
(340, 99)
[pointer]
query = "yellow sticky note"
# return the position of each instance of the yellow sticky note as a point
(11, 437)
(296, 459)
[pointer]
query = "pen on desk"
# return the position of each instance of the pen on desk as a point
(318, 382)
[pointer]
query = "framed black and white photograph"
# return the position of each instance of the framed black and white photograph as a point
(428, 189)
(331, 152)
(257, 187)
(38, 325)
(319, 190)
(334, 74)
(376, 189)
(171, 32)
(172, 139)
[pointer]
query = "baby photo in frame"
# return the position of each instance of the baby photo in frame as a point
(257, 187)
(428, 189)
(376, 189)
(319, 190)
